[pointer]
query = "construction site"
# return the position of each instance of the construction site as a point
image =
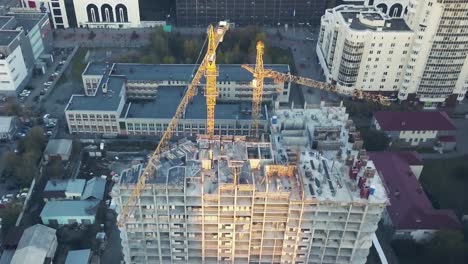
(299, 189)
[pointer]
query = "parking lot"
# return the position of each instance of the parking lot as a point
(41, 84)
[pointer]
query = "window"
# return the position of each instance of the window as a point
(57, 12)
(390, 52)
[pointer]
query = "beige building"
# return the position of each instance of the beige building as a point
(307, 196)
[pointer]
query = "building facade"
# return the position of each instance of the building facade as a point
(413, 58)
(237, 201)
(393, 8)
(242, 13)
(437, 69)
(417, 129)
(362, 47)
(56, 9)
(24, 37)
(138, 99)
(107, 14)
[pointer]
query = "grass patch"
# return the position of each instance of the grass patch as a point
(446, 180)
(78, 63)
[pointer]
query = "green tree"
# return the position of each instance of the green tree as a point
(12, 108)
(9, 217)
(55, 169)
(169, 60)
(374, 140)
(447, 246)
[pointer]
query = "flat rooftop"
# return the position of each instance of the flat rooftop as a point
(7, 36)
(108, 101)
(176, 72)
(4, 20)
(168, 98)
(366, 18)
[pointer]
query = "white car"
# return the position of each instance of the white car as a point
(22, 195)
(47, 83)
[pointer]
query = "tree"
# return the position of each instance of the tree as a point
(55, 169)
(374, 140)
(447, 246)
(9, 217)
(169, 60)
(12, 108)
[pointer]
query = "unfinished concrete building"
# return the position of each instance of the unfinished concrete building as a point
(309, 194)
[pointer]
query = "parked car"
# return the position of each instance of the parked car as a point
(49, 83)
(22, 195)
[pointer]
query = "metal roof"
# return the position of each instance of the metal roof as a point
(78, 256)
(58, 147)
(5, 123)
(34, 245)
(69, 208)
(94, 188)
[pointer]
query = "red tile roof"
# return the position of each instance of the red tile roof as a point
(409, 209)
(413, 121)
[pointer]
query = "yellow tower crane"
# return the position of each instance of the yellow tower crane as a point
(150, 170)
(210, 91)
(260, 73)
(257, 85)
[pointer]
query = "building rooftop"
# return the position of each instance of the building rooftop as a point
(94, 189)
(168, 98)
(289, 164)
(5, 123)
(69, 208)
(370, 18)
(7, 36)
(409, 209)
(78, 256)
(4, 21)
(57, 147)
(414, 121)
(58, 188)
(102, 101)
(34, 245)
(176, 72)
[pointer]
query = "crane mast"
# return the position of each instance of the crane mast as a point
(210, 91)
(257, 85)
(153, 162)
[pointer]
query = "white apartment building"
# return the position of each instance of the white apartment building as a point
(141, 99)
(393, 8)
(362, 47)
(107, 14)
(307, 196)
(437, 69)
(409, 58)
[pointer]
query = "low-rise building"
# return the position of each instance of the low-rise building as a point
(410, 213)
(140, 99)
(7, 127)
(64, 190)
(417, 129)
(37, 245)
(94, 189)
(59, 213)
(59, 149)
